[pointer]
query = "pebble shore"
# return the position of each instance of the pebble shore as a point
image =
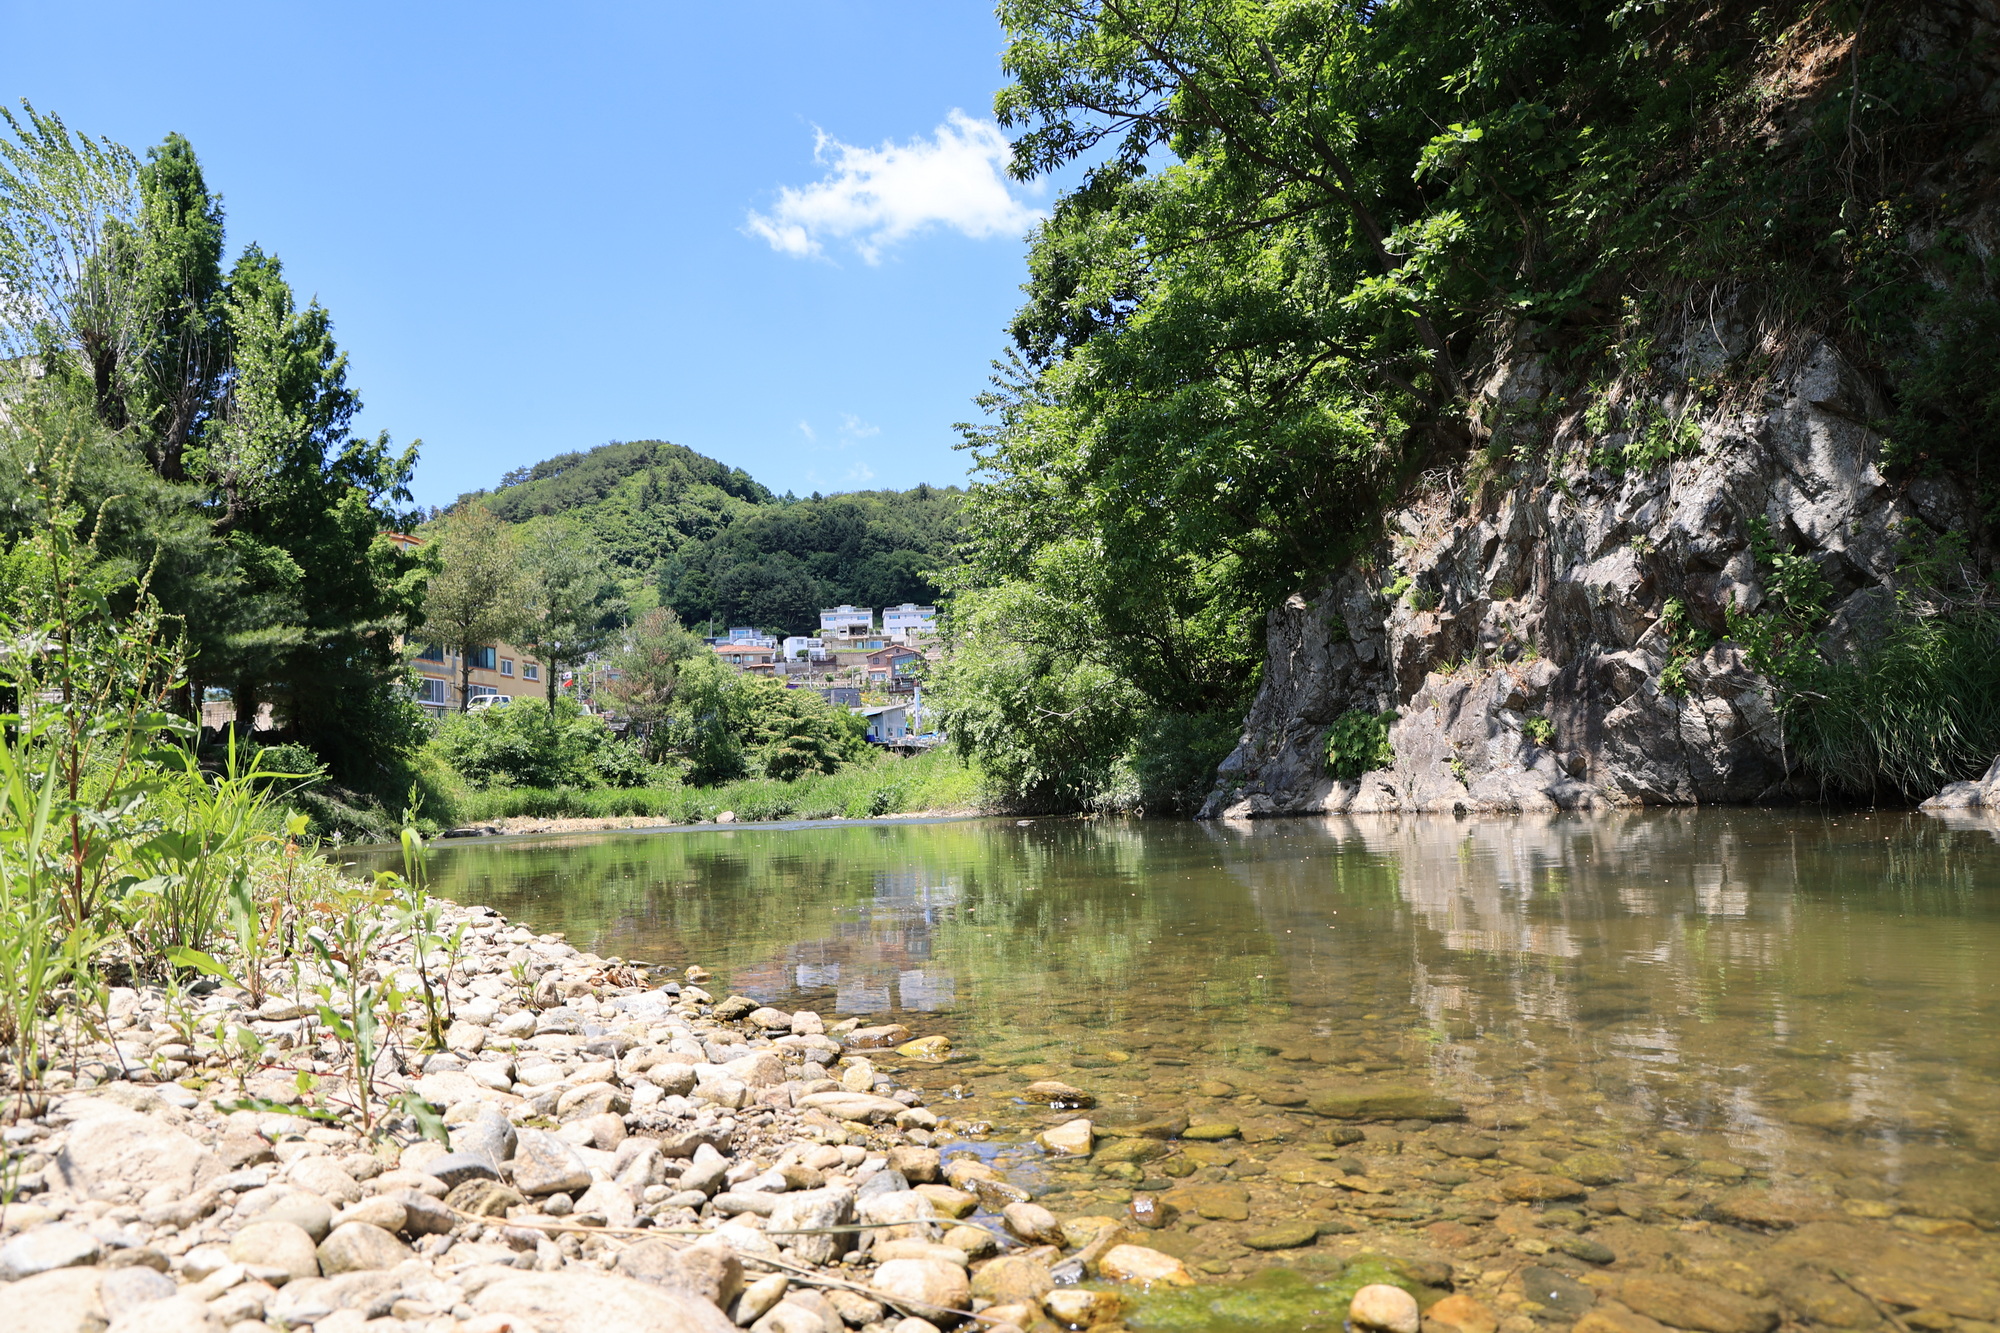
(623, 1154)
(616, 1147)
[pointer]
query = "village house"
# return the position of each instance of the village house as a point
(498, 668)
(886, 722)
(885, 664)
(909, 623)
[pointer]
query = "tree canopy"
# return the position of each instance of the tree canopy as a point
(682, 530)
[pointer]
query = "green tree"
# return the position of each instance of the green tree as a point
(790, 733)
(646, 672)
(475, 597)
(572, 605)
(182, 349)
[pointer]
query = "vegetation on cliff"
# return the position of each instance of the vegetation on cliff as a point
(1309, 233)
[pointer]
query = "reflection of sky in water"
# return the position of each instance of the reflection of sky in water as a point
(865, 965)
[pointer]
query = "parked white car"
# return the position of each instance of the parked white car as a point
(485, 701)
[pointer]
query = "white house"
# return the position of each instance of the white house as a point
(846, 622)
(909, 622)
(886, 722)
(799, 648)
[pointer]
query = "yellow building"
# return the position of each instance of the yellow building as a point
(498, 669)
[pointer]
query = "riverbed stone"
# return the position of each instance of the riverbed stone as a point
(1461, 1313)
(455, 1168)
(1385, 1102)
(47, 1247)
(1058, 1095)
(1381, 1308)
(1072, 1138)
(1134, 1150)
(1593, 1168)
(1012, 1280)
(810, 1209)
(288, 1203)
(544, 1164)
(1074, 1307)
(1212, 1131)
(919, 1166)
(925, 1286)
(325, 1177)
(1143, 1266)
(1032, 1223)
(1222, 1202)
(111, 1153)
(851, 1106)
(574, 1301)
(1540, 1187)
(877, 1038)
(357, 1247)
(1284, 1236)
(283, 1245)
(1697, 1305)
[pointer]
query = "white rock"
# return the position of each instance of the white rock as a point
(47, 1247)
(115, 1153)
(282, 1245)
(574, 1301)
(1381, 1308)
(64, 1300)
(929, 1285)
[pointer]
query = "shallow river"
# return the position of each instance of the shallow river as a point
(1755, 1052)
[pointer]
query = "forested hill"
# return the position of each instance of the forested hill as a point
(714, 544)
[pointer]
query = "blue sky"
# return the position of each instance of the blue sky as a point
(757, 229)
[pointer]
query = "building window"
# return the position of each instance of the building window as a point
(480, 692)
(431, 652)
(430, 690)
(482, 658)
(506, 666)
(529, 671)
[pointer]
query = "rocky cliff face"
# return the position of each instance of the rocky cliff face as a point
(1521, 629)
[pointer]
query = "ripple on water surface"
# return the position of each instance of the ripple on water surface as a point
(1745, 1058)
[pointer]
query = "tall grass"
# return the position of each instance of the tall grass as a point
(1917, 709)
(884, 785)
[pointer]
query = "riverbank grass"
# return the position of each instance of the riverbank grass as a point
(884, 785)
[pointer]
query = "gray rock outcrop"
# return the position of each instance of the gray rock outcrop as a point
(1522, 631)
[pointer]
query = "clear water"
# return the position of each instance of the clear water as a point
(1781, 1026)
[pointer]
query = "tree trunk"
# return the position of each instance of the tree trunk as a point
(244, 696)
(464, 679)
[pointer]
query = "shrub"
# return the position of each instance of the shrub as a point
(531, 745)
(1358, 742)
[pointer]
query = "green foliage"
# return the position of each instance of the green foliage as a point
(1302, 228)
(526, 745)
(203, 416)
(646, 671)
(1539, 730)
(1913, 702)
(1781, 639)
(877, 785)
(1173, 758)
(716, 547)
(1358, 743)
(572, 606)
(1046, 721)
(1686, 641)
(789, 733)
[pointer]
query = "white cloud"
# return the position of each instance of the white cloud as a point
(874, 197)
(805, 429)
(854, 428)
(861, 472)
